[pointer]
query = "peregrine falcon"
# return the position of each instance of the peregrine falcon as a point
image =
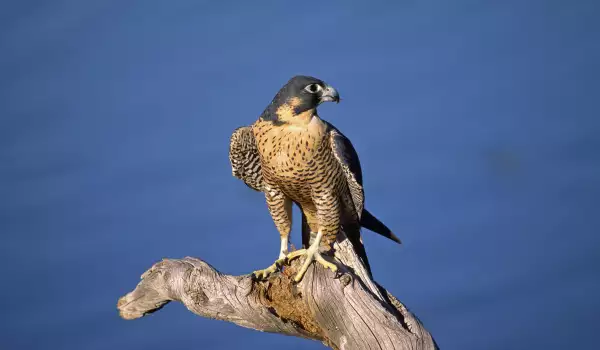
(246, 166)
(294, 156)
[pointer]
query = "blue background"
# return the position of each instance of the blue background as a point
(476, 123)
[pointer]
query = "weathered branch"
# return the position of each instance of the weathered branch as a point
(342, 312)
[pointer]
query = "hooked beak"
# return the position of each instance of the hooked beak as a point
(329, 95)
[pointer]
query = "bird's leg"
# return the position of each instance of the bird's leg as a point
(280, 208)
(328, 221)
(283, 251)
(312, 254)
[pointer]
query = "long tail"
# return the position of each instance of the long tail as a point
(371, 223)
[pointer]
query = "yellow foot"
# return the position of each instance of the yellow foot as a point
(264, 274)
(296, 254)
(312, 254)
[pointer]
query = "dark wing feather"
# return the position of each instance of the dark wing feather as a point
(348, 158)
(245, 159)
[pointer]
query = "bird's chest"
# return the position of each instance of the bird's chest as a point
(291, 155)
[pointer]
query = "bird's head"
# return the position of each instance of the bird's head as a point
(297, 100)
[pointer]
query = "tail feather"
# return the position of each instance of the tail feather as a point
(371, 223)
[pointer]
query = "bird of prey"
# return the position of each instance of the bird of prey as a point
(294, 156)
(245, 165)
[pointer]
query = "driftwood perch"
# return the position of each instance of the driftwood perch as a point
(342, 312)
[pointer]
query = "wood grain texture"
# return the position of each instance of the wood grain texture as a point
(342, 312)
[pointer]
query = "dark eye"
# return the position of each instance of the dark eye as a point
(313, 88)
